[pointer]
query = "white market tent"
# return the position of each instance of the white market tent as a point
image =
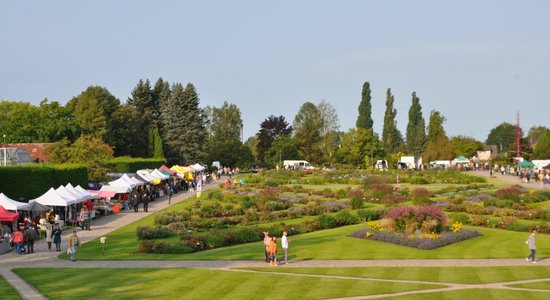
(145, 174)
(10, 204)
(63, 191)
(461, 160)
(158, 174)
(126, 178)
(82, 190)
(122, 182)
(197, 168)
(53, 198)
(138, 181)
(84, 194)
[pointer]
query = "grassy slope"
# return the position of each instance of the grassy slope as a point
(467, 275)
(197, 284)
(7, 292)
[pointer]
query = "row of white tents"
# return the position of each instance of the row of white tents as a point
(126, 183)
(62, 196)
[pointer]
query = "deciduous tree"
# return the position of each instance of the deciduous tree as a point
(270, 129)
(307, 129)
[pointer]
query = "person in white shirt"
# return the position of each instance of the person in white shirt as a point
(284, 244)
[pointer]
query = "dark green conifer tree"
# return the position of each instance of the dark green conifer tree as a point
(364, 120)
(392, 139)
(416, 128)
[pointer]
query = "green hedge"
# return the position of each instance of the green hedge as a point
(125, 164)
(31, 181)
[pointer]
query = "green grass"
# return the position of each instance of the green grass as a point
(466, 275)
(7, 292)
(327, 244)
(541, 285)
(198, 284)
(484, 294)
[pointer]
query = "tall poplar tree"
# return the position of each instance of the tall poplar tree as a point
(392, 140)
(416, 128)
(364, 120)
(438, 146)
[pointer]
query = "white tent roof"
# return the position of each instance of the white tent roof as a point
(116, 188)
(63, 191)
(146, 175)
(122, 182)
(84, 194)
(53, 198)
(80, 189)
(131, 181)
(157, 174)
(10, 204)
(196, 168)
(140, 182)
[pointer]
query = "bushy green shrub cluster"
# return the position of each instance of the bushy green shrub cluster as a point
(151, 233)
(31, 181)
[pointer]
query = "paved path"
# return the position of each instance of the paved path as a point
(48, 259)
(511, 179)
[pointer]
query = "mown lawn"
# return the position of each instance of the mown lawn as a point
(198, 284)
(481, 294)
(327, 244)
(541, 285)
(466, 275)
(7, 292)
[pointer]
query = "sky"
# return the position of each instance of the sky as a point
(477, 62)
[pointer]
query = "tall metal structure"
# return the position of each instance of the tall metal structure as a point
(518, 138)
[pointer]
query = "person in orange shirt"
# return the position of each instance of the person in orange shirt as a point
(18, 239)
(273, 252)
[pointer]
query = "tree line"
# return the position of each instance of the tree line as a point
(166, 120)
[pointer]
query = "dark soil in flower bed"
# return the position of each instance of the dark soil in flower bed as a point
(421, 243)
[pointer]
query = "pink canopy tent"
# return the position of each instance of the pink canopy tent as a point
(7, 216)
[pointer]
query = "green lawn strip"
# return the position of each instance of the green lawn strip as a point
(467, 275)
(326, 244)
(197, 284)
(7, 292)
(485, 294)
(541, 285)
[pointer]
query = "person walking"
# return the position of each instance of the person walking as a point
(30, 237)
(84, 218)
(18, 239)
(284, 244)
(48, 235)
(267, 240)
(56, 233)
(532, 243)
(135, 201)
(74, 243)
(273, 252)
(145, 199)
(169, 193)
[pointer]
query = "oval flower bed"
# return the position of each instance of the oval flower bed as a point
(423, 227)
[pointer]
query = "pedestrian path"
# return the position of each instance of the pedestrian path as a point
(510, 179)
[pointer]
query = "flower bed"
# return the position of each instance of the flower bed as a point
(419, 241)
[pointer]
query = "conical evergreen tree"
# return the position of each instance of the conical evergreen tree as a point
(142, 100)
(160, 94)
(392, 139)
(364, 120)
(416, 128)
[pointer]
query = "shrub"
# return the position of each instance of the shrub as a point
(345, 217)
(479, 197)
(379, 190)
(503, 212)
(505, 222)
(510, 193)
(518, 227)
(462, 218)
(536, 196)
(149, 233)
(272, 183)
(375, 179)
(394, 199)
(418, 180)
(368, 215)
(327, 221)
(165, 218)
(540, 227)
(420, 196)
(247, 202)
(357, 202)
(409, 219)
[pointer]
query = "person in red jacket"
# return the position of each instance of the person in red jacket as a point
(273, 252)
(18, 239)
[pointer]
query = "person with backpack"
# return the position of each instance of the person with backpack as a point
(30, 236)
(56, 233)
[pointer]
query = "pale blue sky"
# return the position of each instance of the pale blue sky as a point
(478, 62)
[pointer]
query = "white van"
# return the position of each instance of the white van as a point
(297, 165)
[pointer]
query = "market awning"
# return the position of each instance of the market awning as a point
(53, 198)
(526, 164)
(11, 204)
(103, 194)
(7, 216)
